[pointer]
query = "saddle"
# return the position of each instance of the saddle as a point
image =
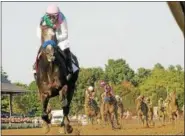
(108, 99)
(144, 108)
(92, 104)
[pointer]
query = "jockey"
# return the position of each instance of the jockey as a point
(108, 92)
(55, 18)
(102, 84)
(90, 93)
(140, 98)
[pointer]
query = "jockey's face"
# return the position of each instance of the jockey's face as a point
(53, 18)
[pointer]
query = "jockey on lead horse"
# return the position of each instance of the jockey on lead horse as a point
(55, 19)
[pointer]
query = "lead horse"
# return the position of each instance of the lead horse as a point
(51, 71)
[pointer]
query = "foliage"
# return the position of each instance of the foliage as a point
(154, 83)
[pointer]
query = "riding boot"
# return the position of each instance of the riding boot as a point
(68, 63)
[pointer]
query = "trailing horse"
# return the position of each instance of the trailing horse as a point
(92, 110)
(142, 112)
(162, 114)
(51, 81)
(120, 110)
(109, 111)
(172, 107)
(150, 115)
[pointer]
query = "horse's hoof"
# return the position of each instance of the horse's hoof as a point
(61, 131)
(69, 129)
(45, 117)
(119, 127)
(46, 128)
(114, 128)
(146, 126)
(77, 132)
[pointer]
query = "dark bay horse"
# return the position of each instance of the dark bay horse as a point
(51, 79)
(120, 109)
(142, 111)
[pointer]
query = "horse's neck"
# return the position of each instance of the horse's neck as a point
(86, 99)
(173, 99)
(119, 103)
(44, 39)
(46, 68)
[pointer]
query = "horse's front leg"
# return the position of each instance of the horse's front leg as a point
(140, 118)
(45, 117)
(164, 118)
(45, 100)
(69, 94)
(67, 126)
(117, 120)
(153, 123)
(146, 120)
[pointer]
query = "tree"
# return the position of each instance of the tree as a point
(5, 103)
(161, 80)
(153, 83)
(3, 73)
(179, 68)
(171, 68)
(141, 75)
(29, 102)
(117, 70)
(158, 66)
(4, 99)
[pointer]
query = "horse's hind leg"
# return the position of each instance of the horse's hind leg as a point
(63, 95)
(153, 123)
(104, 119)
(146, 119)
(111, 120)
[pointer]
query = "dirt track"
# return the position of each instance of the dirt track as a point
(128, 129)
